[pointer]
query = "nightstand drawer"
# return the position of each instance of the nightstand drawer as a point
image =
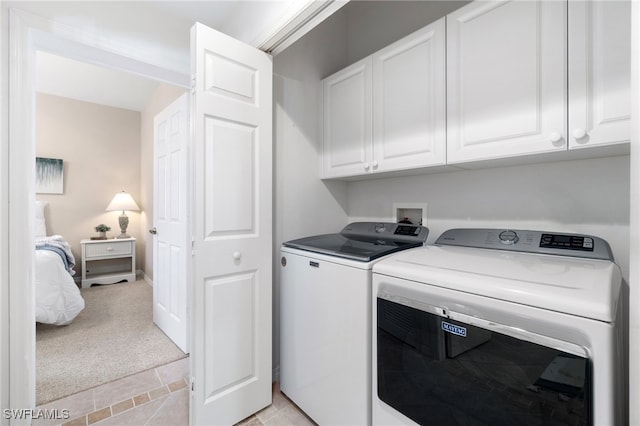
(115, 248)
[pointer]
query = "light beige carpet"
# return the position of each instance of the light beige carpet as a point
(113, 337)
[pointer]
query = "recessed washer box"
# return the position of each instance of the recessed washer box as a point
(416, 213)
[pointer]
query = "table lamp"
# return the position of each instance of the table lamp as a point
(123, 201)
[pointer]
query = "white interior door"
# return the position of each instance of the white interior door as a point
(171, 246)
(232, 125)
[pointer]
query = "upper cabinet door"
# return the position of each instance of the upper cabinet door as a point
(599, 73)
(506, 79)
(347, 121)
(409, 101)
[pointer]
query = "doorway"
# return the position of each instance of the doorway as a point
(96, 134)
(29, 35)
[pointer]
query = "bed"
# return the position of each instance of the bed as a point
(58, 298)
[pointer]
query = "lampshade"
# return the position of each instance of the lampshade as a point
(122, 201)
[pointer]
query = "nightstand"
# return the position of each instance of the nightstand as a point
(102, 251)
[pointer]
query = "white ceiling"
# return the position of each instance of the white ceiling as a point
(56, 75)
(162, 26)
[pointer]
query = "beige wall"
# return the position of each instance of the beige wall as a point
(100, 147)
(161, 98)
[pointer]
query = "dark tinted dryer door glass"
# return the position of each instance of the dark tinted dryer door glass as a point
(441, 372)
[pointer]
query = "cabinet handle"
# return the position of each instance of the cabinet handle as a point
(579, 134)
(366, 166)
(109, 248)
(555, 138)
(375, 164)
(237, 255)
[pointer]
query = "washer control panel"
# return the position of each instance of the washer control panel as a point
(558, 244)
(386, 231)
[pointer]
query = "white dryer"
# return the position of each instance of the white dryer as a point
(493, 327)
(325, 317)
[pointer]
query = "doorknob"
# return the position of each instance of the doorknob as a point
(153, 231)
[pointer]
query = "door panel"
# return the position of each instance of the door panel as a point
(230, 150)
(232, 125)
(506, 79)
(409, 101)
(229, 78)
(599, 73)
(232, 332)
(172, 240)
(347, 119)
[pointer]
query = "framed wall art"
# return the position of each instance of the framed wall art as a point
(49, 175)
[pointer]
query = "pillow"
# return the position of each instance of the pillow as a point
(39, 225)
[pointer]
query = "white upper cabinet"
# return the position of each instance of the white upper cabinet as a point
(387, 112)
(409, 96)
(347, 121)
(599, 73)
(521, 78)
(506, 79)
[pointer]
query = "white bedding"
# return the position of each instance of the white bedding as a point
(58, 299)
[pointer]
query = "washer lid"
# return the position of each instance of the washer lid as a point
(583, 287)
(364, 241)
(363, 250)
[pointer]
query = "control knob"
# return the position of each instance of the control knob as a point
(508, 237)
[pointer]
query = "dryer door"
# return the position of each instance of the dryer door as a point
(438, 367)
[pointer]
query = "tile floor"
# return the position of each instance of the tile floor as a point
(155, 397)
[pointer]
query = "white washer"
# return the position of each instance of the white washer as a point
(492, 327)
(325, 318)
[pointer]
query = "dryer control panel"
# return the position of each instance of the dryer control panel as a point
(567, 242)
(559, 244)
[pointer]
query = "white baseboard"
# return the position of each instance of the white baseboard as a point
(146, 277)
